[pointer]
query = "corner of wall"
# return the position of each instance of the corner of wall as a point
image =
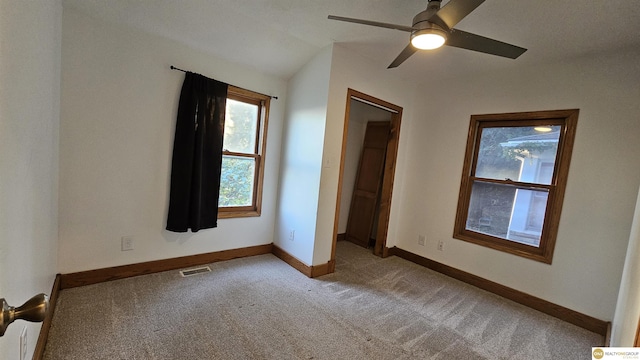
(627, 314)
(301, 163)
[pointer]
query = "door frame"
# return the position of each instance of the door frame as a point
(636, 342)
(380, 248)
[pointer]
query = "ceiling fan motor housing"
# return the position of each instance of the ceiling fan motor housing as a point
(432, 7)
(434, 27)
(422, 24)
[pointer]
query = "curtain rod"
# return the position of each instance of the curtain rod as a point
(271, 96)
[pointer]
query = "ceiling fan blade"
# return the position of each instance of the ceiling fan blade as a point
(451, 14)
(372, 23)
(404, 55)
(464, 40)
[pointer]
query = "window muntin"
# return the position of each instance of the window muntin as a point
(513, 181)
(244, 145)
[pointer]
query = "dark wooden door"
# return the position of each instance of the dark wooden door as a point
(368, 180)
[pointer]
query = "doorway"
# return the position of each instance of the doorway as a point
(360, 110)
(365, 198)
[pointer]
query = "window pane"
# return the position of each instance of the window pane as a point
(240, 127)
(522, 153)
(236, 181)
(490, 208)
(507, 213)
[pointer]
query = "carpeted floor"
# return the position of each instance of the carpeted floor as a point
(261, 308)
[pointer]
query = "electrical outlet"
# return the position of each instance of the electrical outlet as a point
(126, 243)
(292, 235)
(23, 344)
(421, 240)
(440, 245)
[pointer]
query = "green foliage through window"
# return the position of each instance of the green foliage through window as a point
(240, 126)
(243, 147)
(236, 181)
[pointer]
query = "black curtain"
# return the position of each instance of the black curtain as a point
(197, 155)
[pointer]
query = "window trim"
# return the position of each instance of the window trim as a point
(263, 102)
(567, 119)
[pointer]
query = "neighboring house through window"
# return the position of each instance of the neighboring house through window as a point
(513, 181)
(243, 153)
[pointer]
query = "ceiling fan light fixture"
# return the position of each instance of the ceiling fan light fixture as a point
(543, 129)
(428, 39)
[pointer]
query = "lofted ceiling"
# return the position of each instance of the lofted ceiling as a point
(279, 36)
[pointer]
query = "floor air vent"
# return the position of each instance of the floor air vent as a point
(195, 271)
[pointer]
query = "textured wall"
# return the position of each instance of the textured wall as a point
(302, 157)
(625, 322)
(29, 124)
(601, 190)
(119, 104)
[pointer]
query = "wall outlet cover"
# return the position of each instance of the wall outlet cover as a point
(126, 243)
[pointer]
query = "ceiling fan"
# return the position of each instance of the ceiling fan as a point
(433, 28)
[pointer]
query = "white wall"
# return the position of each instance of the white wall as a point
(601, 190)
(119, 104)
(350, 70)
(625, 322)
(29, 124)
(302, 157)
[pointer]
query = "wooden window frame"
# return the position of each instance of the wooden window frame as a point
(567, 119)
(263, 102)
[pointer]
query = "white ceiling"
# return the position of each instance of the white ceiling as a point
(279, 36)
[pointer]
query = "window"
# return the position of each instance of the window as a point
(244, 145)
(513, 180)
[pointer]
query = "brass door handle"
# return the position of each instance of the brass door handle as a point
(34, 310)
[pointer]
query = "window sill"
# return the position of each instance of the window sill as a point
(237, 214)
(515, 248)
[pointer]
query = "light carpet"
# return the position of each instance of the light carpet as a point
(261, 308)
